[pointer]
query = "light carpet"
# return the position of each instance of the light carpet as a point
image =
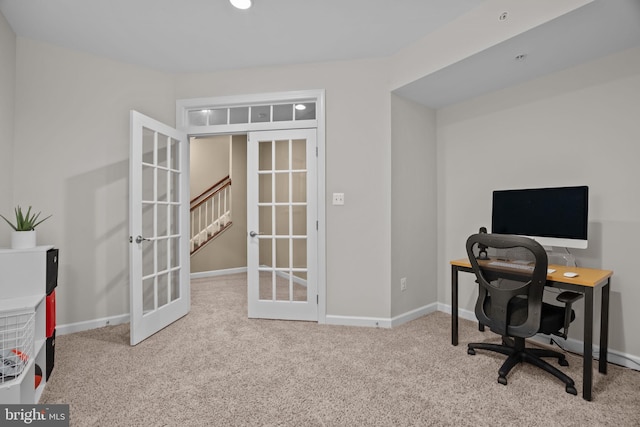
(216, 367)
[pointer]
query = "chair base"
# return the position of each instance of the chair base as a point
(517, 353)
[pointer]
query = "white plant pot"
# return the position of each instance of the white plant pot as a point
(23, 239)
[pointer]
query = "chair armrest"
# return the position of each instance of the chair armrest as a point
(568, 297)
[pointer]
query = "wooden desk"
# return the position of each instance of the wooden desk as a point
(587, 280)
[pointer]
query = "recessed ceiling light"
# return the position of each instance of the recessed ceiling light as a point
(300, 107)
(241, 4)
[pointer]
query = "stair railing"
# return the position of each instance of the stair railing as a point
(210, 214)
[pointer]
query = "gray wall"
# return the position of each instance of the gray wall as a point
(7, 99)
(357, 163)
(72, 152)
(578, 126)
(413, 205)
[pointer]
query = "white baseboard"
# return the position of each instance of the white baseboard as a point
(214, 273)
(462, 314)
(572, 345)
(414, 314)
(380, 322)
(371, 322)
(91, 324)
(576, 346)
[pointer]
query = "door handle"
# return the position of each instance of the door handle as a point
(254, 234)
(139, 239)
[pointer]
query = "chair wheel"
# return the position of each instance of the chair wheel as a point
(502, 380)
(563, 362)
(471, 351)
(571, 390)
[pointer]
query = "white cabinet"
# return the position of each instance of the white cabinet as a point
(23, 319)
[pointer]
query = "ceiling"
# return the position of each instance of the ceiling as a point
(597, 29)
(210, 35)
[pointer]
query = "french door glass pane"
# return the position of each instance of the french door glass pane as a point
(265, 285)
(174, 187)
(282, 253)
(162, 156)
(148, 145)
(282, 155)
(299, 187)
(265, 220)
(148, 183)
(265, 188)
(163, 253)
(175, 252)
(264, 246)
(175, 155)
(162, 185)
(282, 187)
(162, 218)
(298, 154)
(264, 156)
(148, 263)
(299, 253)
(175, 285)
(282, 220)
(148, 294)
(175, 220)
(299, 220)
(163, 290)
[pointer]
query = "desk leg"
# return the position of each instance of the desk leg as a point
(604, 329)
(587, 373)
(454, 305)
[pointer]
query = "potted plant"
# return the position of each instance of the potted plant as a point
(24, 233)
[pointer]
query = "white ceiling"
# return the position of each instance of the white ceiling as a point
(210, 35)
(597, 29)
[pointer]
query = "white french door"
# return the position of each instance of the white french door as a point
(158, 226)
(282, 224)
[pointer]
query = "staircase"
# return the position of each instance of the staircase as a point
(210, 214)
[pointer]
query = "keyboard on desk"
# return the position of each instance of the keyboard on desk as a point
(516, 266)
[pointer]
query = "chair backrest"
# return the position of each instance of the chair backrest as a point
(509, 300)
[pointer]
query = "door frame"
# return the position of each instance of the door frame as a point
(183, 106)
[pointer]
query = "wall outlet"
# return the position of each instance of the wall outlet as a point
(403, 284)
(338, 199)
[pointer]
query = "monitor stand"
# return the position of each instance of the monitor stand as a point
(560, 256)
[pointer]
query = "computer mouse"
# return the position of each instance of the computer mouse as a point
(570, 274)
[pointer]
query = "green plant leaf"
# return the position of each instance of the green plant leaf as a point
(25, 222)
(41, 221)
(9, 222)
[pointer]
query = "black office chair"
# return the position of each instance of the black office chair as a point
(510, 303)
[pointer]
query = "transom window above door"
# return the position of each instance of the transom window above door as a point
(269, 113)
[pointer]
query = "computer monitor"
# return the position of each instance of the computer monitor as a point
(551, 216)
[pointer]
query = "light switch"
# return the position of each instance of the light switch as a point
(338, 198)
